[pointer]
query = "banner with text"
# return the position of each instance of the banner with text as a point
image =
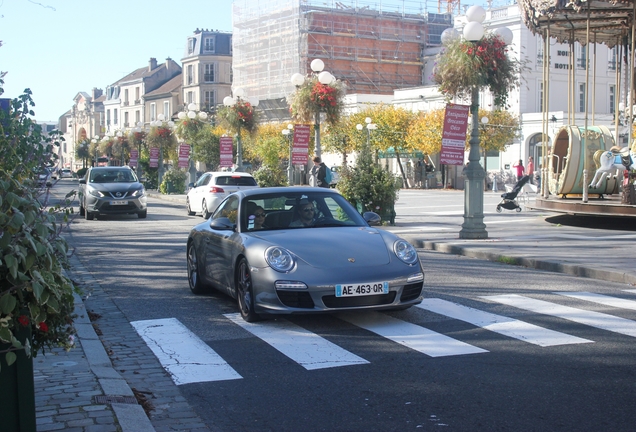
(454, 135)
(134, 155)
(226, 151)
(300, 149)
(154, 157)
(184, 156)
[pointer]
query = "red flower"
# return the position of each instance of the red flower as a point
(22, 319)
(42, 326)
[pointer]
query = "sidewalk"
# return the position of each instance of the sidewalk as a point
(81, 391)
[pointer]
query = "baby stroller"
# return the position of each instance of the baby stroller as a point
(509, 201)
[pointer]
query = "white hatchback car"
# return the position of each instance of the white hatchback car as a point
(206, 194)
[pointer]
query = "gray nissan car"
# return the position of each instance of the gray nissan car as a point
(111, 190)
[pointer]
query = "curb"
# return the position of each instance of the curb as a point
(552, 266)
(131, 417)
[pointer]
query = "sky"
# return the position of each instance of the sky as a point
(58, 48)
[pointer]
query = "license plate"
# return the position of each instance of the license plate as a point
(362, 289)
(116, 203)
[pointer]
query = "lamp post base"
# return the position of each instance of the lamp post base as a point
(473, 226)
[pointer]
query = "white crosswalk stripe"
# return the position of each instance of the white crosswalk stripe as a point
(410, 335)
(590, 318)
(304, 347)
(500, 324)
(186, 357)
(602, 299)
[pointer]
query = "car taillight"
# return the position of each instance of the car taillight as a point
(215, 189)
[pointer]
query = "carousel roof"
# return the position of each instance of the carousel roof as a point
(610, 20)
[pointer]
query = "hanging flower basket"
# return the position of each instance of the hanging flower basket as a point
(463, 65)
(240, 115)
(314, 97)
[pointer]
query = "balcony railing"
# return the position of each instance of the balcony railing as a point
(125, 103)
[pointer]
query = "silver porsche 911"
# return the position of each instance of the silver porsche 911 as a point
(301, 250)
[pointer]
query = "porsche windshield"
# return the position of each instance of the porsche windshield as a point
(297, 210)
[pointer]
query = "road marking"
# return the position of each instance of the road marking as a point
(410, 335)
(501, 324)
(601, 299)
(186, 357)
(590, 318)
(304, 347)
(631, 291)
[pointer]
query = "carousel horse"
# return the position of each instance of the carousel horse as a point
(614, 159)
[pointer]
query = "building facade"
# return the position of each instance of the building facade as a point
(207, 69)
(569, 101)
(374, 48)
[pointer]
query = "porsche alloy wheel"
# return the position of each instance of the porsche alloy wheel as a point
(244, 292)
(194, 278)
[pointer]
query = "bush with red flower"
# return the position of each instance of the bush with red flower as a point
(36, 297)
(463, 65)
(314, 97)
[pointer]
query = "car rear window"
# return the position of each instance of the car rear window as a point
(235, 181)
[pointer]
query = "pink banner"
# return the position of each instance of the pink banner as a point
(154, 157)
(184, 156)
(454, 135)
(134, 155)
(226, 151)
(300, 150)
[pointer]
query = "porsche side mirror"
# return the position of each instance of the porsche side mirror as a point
(372, 218)
(222, 224)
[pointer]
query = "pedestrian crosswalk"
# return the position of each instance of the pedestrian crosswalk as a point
(189, 359)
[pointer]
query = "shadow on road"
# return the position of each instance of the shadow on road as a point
(595, 222)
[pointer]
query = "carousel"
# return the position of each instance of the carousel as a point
(588, 169)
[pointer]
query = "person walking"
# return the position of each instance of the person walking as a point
(530, 169)
(319, 172)
(520, 169)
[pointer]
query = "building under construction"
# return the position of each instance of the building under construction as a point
(373, 46)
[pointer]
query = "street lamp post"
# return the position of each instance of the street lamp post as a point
(473, 226)
(192, 113)
(324, 77)
(290, 170)
(228, 101)
(369, 126)
(138, 129)
(160, 122)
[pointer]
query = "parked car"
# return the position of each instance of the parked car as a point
(44, 177)
(338, 262)
(111, 190)
(335, 176)
(206, 194)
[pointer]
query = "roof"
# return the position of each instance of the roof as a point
(567, 20)
(170, 86)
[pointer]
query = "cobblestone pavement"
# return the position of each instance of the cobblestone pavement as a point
(105, 383)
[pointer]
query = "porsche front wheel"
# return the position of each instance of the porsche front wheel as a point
(245, 292)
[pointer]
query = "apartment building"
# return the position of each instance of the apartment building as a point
(124, 105)
(207, 69)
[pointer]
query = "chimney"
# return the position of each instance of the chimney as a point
(97, 93)
(152, 64)
(168, 61)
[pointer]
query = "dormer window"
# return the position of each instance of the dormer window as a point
(208, 44)
(191, 43)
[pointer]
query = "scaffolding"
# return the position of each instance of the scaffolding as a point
(374, 47)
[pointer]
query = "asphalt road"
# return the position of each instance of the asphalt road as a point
(494, 347)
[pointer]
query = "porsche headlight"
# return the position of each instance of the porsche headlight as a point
(279, 259)
(95, 193)
(405, 252)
